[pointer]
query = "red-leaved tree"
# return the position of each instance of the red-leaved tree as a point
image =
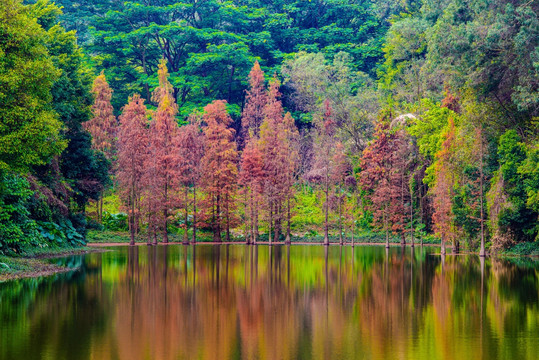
(290, 153)
(255, 102)
(219, 166)
(131, 155)
(377, 177)
(163, 156)
(102, 126)
(191, 148)
(272, 145)
(252, 177)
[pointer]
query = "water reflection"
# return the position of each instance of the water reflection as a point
(280, 302)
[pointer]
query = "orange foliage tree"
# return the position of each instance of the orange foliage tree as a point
(132, 151)
(191, 148)
(219, 166)
(272, 144)
(163, 156)
(251, 177)
(443, 189)
(290, 153)
(102, 126)
(255, 102)
(379, 178)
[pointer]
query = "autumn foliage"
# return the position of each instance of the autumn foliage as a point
(220, 166)
(132, 154)
(384, 177)
(102, 125)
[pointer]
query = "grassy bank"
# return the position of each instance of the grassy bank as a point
(35, 263)
(120, 237)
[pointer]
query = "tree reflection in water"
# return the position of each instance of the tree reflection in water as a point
(280, 302)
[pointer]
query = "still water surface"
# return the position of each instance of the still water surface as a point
(299, 302)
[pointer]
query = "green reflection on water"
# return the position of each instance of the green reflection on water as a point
(298, 302)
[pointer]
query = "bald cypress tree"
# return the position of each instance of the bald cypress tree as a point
(132, 153)
(163, 152)
(219, 166)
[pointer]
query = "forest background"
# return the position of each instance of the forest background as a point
(267, 121)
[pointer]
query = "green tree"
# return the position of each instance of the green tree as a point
(29, 126)
(80, 170)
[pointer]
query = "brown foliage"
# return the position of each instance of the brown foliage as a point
(162, 162)
(255, 102)
(219, 166)
(384, 177)
(102, 126)
(132, 154)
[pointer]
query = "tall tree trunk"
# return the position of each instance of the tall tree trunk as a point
(456, 246)
(194, 213)
(165, 214)
(403, 233)
(255, 230)
(270, 223)
(217, 220)
(411, 220)
(154, 227)
(252, 227)
(186, 209)
(353, 228)
(442, 251)
(326, 220)
(421, 213)
(227, 209)
(247, 221)
(340, 220)
(100, 207)
(482, 252)
(278, 216)
(149, 228)
(288, 236)
(132, 216)
(138, 217)
(386, 226)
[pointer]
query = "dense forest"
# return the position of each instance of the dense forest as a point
(270, 121)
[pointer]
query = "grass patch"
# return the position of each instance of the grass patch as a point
(119, 237)
(34, 263)
(314, 237)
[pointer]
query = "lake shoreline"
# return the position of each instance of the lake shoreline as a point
(13, 268)
(109, 244)
(282, 243)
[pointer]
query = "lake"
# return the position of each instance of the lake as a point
(281, 302)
